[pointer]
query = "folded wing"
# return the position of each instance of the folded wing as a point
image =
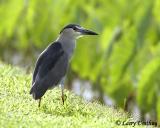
(48, 70)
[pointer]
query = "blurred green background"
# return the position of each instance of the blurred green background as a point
(122, 63)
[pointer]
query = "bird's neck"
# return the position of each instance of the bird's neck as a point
(68, 44)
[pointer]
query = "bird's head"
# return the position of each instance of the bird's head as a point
(76, 31)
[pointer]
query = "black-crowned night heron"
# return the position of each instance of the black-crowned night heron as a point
(52, 64)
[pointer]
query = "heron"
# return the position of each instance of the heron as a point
(52, 64)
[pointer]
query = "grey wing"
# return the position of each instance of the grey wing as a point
(46, 73)
(57, 73)
(47, 59)
(38, 63)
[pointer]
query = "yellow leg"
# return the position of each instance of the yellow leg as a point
(39, 103)
(62, 96)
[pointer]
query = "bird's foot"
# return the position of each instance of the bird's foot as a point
(63, 100)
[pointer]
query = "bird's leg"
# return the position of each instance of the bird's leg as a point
(62, 88)
(39, 103)
(62, 96)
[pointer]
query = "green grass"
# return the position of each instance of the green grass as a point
(18, 109)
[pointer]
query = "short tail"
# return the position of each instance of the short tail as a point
(37, 91)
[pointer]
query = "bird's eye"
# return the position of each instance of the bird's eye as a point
(74, 28)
